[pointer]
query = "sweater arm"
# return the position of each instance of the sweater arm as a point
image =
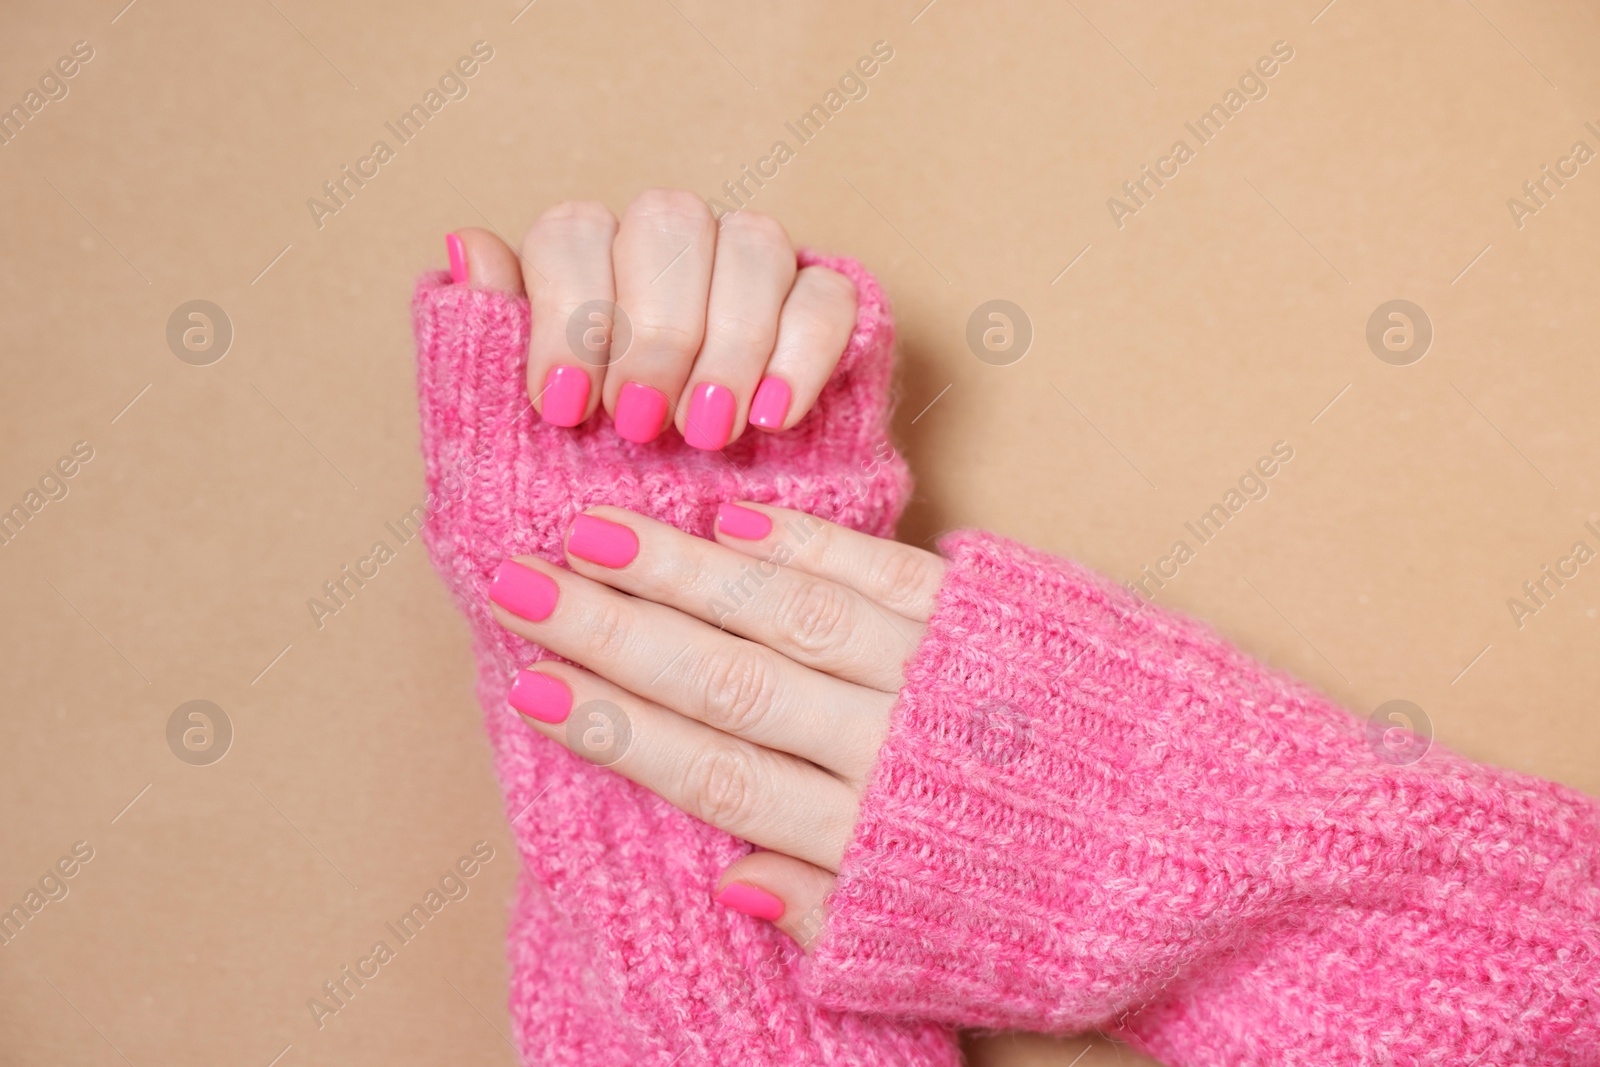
(1091, 813)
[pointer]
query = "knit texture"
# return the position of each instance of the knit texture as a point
(618, 954)
(1091, 813)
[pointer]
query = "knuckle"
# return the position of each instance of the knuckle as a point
(669, 206)
(823, 301)
(664, 335)
(743, 333)
(750, 228)
(739, 688)
(576, 214)
(830, 286)
(898, 576)
(694, 573)
(607, 625)
(814, 615)
(721, 786)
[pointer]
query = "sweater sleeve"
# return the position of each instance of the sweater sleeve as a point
(1091, 813)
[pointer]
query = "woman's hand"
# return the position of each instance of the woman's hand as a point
(720, 328)
(748, 681)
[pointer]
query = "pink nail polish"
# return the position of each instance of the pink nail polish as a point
(746, 524)
(609, 544)
(458, 258)
(640, 413)
(710, 421)
(771, 404)
(566, 395)
(541, 696)
(523, 591)
(748, 900)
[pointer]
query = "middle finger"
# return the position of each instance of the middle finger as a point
(662, 257)
(768, 798)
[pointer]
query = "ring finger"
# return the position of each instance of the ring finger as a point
(735, 686)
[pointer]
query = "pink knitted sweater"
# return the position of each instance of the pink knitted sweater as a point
(1089, 813)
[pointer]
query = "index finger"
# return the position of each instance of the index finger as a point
(805, 618)
(903, 579)
(568, 250)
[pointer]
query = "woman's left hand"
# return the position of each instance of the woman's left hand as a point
(748, 681)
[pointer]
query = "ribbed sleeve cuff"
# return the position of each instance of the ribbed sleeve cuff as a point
(1090, 813)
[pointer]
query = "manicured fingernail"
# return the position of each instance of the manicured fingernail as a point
(748, 900)
(771, 404)
(746, 524)
(545, 698)
(640, 412)
(609, 544)
(523, 591)
(566, 395)
(710, 421)
(458, 258)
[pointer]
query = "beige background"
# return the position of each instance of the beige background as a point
(1227, 314)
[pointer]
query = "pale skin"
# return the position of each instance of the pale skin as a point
(770, 718)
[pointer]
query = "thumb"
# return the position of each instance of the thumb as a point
(787, 892)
